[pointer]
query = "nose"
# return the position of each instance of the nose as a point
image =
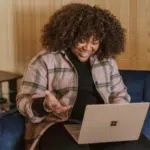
(87, 47)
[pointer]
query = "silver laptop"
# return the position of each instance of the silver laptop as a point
(109, 123)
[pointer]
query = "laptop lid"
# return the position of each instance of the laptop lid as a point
(112, 122)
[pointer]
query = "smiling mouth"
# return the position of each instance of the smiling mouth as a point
(84, 54)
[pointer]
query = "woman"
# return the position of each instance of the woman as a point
(77, 67)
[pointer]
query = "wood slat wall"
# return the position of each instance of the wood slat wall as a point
(21, 22)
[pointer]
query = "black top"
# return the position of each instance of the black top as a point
(87, 93)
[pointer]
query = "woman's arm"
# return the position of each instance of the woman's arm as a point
(34, 101)
(118, 89)
(33, 86)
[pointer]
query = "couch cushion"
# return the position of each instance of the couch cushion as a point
(11, 131)
(138, 84)
(147, 92)
(147, 89)
(146, 127)
(135, 82)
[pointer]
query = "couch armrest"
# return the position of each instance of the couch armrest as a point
(12, 127)
(8, 113)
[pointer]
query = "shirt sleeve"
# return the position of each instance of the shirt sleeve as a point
(119, 92)
(33, 86)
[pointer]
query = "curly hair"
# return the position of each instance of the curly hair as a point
(75, 22)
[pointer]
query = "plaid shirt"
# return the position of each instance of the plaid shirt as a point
(54, 71)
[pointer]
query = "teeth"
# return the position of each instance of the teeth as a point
(84, 54)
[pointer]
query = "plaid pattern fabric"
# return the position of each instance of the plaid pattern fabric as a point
(53, 71)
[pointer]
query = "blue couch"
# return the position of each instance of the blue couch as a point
(12, 124)
(138, 84)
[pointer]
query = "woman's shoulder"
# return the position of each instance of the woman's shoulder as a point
(44, 56)
(109, 60)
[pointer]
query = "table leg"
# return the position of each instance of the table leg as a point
(12, 90)
(2, 99)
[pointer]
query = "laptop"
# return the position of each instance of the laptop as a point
(109, 123)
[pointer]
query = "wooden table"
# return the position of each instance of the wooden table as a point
(11, 78)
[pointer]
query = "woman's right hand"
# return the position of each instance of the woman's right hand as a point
(51, 104)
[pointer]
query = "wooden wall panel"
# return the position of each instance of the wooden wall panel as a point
(143, 34)
(6, 36)
(21, 22)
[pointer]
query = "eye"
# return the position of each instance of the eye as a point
(95, 42)
(82, 40)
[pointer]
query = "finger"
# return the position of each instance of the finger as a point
(50, 96)
(52, 100)
(62, 109)
(57, 117)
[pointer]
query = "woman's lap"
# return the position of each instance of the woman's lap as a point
(57, 138)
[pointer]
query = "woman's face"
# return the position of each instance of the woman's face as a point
(85, 49)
